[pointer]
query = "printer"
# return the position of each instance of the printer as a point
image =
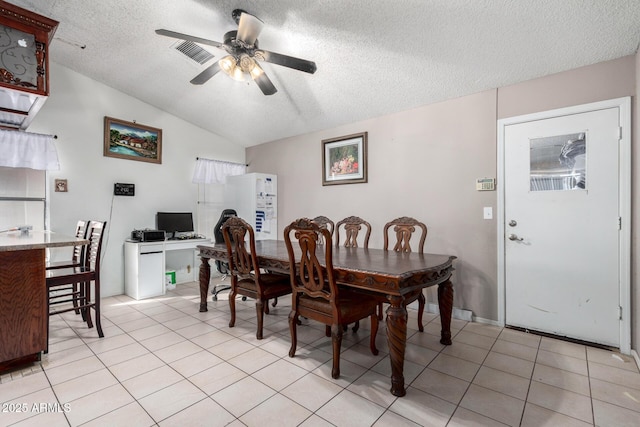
(148, 235)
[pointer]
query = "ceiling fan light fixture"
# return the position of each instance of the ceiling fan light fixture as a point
(229, 65)
(256, 71)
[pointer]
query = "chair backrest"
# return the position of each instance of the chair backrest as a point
(352, 225)
(404, 227)
(217, 230)
(95, 234)
(324, 222)
(242, 262)
(81, 233)
(307, 274)
(221, 266)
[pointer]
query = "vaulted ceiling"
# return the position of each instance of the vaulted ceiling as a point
(373, 58)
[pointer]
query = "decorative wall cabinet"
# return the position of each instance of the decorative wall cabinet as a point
(24, 64)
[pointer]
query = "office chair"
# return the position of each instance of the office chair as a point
(222, 267)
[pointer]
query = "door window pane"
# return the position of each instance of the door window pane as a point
(558, 162)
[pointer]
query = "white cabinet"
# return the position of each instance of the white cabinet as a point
(144, 269)
(145, 264)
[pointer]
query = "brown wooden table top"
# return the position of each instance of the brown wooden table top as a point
(371, 269)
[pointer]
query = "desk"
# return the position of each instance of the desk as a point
(23, 294)
(145, 264)
(396, 275)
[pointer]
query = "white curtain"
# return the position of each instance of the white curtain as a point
(215, 172)
(28, 150)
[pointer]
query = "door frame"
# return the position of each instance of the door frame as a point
(624, 206)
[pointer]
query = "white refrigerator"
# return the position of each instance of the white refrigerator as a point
(254, 196)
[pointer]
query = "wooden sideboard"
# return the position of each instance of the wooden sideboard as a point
(23, 294)
(23, 304)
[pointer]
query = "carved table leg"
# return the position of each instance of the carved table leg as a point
(397, 336)
(205, 276)
(445, 301)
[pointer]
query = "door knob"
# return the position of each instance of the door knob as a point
(514, 237)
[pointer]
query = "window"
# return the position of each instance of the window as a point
(558, 162)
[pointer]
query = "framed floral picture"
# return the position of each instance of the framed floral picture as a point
(132, 141)
(344, 159)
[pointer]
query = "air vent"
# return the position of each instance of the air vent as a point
(193, 51)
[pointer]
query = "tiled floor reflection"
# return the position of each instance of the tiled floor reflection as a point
(162, 363)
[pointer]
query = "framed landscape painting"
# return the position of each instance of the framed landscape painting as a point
(344, 159)
(132, 141)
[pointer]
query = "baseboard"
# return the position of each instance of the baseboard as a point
(457, 313)
(487, 321)
(636, 358)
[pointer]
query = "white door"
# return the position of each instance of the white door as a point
(562, 225)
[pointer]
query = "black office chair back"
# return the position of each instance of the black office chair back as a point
(222, 267)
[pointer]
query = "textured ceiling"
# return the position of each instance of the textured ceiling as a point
(374, 58)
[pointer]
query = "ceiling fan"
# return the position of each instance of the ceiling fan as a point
(243, 54)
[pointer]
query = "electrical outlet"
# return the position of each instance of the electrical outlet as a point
(120, 189)
(488, 212)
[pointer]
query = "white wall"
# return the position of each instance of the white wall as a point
(75, 113)
(422, 163)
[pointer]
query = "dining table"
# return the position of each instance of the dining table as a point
(396, 275)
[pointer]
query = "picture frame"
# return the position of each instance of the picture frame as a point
(344, 159)
(132, 141)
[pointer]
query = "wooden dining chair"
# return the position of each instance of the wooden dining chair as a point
(325, 222)
(315, 293)
(246, 277)
(88, 272)
(76, 260)
(78, 251)
(404, 227)
(352, 226)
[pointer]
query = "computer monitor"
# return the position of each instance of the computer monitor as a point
(174, 222)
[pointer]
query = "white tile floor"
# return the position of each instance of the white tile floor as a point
(162, 363)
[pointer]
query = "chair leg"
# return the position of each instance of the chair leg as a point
(232, 307)
(336, 341)
(293, 322)
(82, 297)
(421, 304)
(96, 306)
(46, 350)
(76, 290)
(356, 326)
(275, 302)
(260, 309)
(87, 299)
(380, 314)
(374, 332)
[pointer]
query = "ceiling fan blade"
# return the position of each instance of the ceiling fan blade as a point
(249, 28)
(287, 61)
(181, 36)
(262, 80)
(208, 72)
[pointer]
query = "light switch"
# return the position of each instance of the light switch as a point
(488, 212)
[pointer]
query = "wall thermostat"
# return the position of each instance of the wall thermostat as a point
(120, 189)
(485, 184)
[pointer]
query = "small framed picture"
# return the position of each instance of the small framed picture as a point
(344, 159)
(132, 141)
(61, 185)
